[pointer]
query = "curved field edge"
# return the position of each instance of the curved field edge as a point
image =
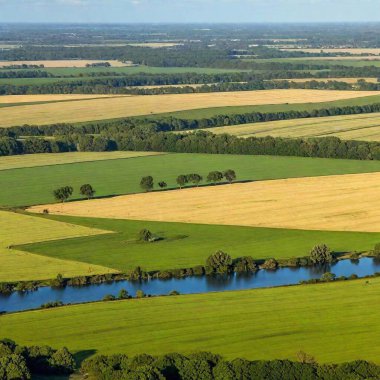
(22, 229)
(255, 324)
(185, 245)
(50, 159)
(39, 182)
(87, 110)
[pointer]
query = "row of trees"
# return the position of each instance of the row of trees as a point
(62, 194)
(147, 183)
(208, 366)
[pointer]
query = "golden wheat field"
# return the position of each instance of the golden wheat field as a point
(14, 99)
(63, 63)
(334, 203)
(349, 127)
(98, 109)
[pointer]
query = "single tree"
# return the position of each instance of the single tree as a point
(328, 276)
(162, 184)
(140, 294)
(219, 262)
(147, 183)
(182, 180)
(230, 175)
(63, 193)
(321, 254)
(87, 190)
(214, 177)
(195, 178)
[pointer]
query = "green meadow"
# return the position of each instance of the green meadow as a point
(30, 186)
(187, 245)
(334, 322)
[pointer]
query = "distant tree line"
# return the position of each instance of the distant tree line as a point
(208, 366)
(21, 363)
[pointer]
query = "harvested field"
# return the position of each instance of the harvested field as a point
(63, 63)
(335, 203)
(364, 127)
(47, 159)
(21, 229)
(98, 109)
(13, 99)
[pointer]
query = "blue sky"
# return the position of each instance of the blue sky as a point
(188, 10)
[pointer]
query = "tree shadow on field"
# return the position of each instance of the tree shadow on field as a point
(80, 356)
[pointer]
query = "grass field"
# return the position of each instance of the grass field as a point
(21, 229)
(187, 245)
(122, 176)
(364, 127)
(357, 51)
(333, 203)
(62, 63)
(98, 109)
(335, 322)
(45, 159)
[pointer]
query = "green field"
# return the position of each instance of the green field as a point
(21, 229)
(265, 108)
(122, 176)
(187, 245)
(335, 322)
(364, 127)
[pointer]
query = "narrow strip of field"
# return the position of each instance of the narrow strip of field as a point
(14, 99)
(98, 109)
(346, 80)
(186, 245)
(358, 51)
(364, 127)
(47, 159)
(122, 176)
(21, 229)
(259, 324)
(333, 203)
(63, 63)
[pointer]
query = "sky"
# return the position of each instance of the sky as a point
(183, 11)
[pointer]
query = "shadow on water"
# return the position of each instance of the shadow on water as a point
(18, 301)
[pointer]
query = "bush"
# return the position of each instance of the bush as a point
(270, 264)
(245, 264)
(147, 236)
(219, 262)
(321, 254)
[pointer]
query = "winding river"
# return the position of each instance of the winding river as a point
(19, 301)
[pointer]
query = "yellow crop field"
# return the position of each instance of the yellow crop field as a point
(108, 108)
(63, 63)
(44, 159)
(18, 229)
(335, 203)
(364, 127)
(14, 99)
